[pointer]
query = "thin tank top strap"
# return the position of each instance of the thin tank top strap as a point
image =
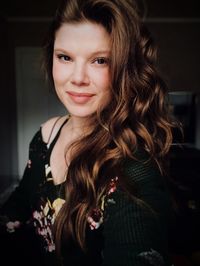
(49, 143)
(51, 132)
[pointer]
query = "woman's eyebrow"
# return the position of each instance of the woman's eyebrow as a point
(100, 52)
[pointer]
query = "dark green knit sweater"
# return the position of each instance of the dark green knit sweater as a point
(124, 231)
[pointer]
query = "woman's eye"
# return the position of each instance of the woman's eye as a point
(63, 57)
(101, 61)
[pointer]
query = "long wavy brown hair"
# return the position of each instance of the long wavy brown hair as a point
(136, 118)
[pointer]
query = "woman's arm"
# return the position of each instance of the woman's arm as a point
(135, 232)
(16, 210)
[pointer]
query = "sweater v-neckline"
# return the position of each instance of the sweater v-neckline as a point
(49, 147)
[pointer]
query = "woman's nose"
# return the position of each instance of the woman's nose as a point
(79, 75)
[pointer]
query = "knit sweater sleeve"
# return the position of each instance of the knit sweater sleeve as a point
(17, 207)
(135, 231)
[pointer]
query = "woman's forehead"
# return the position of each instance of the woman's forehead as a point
(82, 36)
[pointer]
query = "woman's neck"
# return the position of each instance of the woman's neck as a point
(78, 126)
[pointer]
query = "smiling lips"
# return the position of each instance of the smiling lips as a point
(80, 98)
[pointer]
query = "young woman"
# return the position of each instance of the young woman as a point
(94, 190)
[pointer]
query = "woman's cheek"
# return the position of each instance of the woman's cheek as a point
(102, 79)
(59, 73)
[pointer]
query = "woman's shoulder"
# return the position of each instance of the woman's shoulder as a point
(51, 127)
(144, 174)
(141, 181)
(141, 166)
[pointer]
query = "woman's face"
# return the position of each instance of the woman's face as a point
(81, 67)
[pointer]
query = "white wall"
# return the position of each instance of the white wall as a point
(35, 101)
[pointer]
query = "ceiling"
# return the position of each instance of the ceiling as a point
(152, 8)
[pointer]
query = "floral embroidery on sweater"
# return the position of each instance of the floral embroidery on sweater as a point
(29, 163)
(44, 219)
(11, 226)
(96, 217)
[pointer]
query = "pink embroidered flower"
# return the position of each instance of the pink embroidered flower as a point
(11, 226)
(96, 217)
(29, 163)
(113, 185)
(43, 224)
